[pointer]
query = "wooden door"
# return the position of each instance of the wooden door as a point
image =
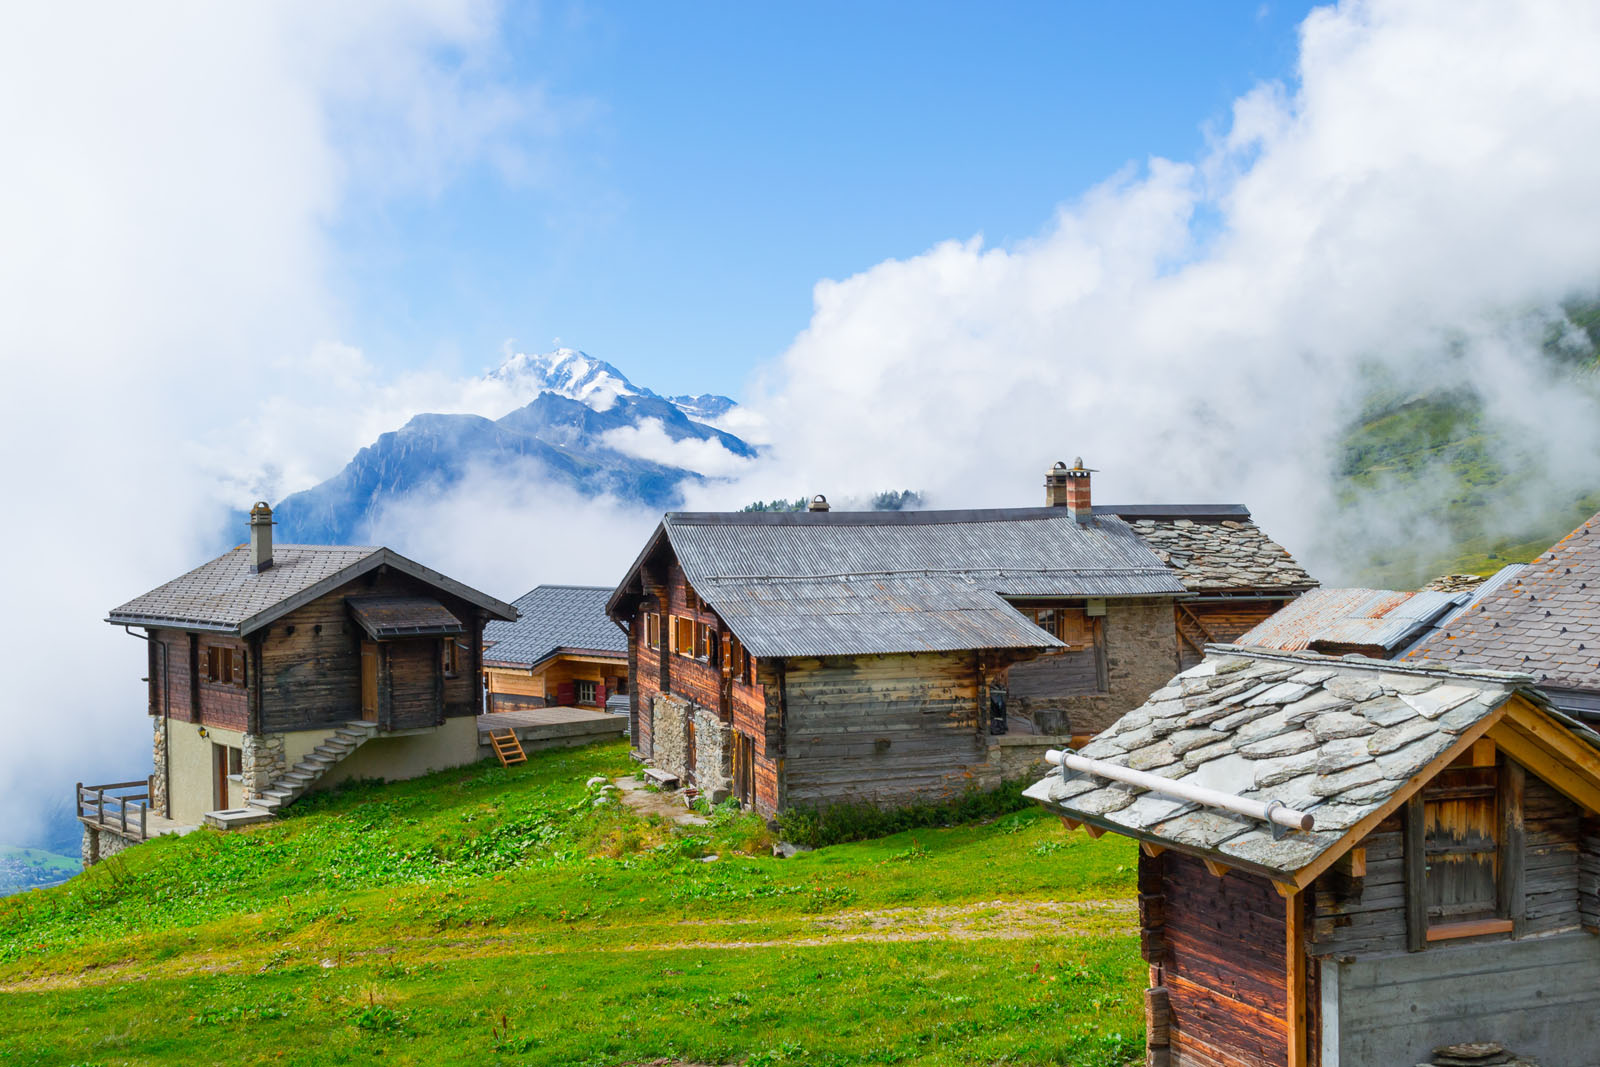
(1459, 837)
(219, 777)
(369, 681)
(744, 769)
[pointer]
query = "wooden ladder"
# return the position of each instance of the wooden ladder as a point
(508, 748)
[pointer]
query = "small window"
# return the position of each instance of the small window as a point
(225, 666)
(683, 636)
(235, 761)
(1460, 831)
(652, 630)
(707, 647)
(451, 657)
(584, 690)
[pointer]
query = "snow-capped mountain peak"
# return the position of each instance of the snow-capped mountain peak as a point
(566, 372)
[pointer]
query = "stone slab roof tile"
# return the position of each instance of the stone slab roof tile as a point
(1337, 741)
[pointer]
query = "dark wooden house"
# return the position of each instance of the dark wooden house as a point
(275, 668)
(563, 651)
(815, 657)
(1439, 885)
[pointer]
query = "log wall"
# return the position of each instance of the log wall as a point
(1221, 943)
(1217, 622)
(882, 729)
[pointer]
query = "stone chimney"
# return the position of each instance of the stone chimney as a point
(1068, 487)
(260, 537)
(818, 503)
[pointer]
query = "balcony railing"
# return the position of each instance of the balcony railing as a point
(116, 809)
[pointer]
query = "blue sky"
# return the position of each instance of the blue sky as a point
(699, 168)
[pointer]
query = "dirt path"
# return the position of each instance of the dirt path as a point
(1002, 920)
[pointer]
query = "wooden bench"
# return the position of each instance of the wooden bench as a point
(660, 779)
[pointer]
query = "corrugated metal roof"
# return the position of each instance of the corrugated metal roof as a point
(816, 584)
(1375, 618)
(554, 617)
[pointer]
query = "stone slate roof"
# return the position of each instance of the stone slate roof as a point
(853, 583)
(1216, 554)
(554, 618)
(1334, 737)
(225, 596)
(1545, 620)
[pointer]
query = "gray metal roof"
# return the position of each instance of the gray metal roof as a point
(842, 583)
(226, 596)
(1328, 620)
(553, 618)
(1334, 737)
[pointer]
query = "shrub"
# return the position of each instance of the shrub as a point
(838, 823)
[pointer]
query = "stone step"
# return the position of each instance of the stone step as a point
(315, 768)
(300, 777)
(332, 752)
(266, 803)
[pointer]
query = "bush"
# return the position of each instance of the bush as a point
(838, 823)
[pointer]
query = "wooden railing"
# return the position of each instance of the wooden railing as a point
(107, 805)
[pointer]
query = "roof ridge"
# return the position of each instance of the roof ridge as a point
(1426, 667)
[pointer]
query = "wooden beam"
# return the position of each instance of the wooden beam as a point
(1093, 831)
(1472, 928)
(1218, 869)
(1295, 1004)
(1151, 849)
(1416, 870)
(1286, 889)
(1513, 851)
(1483, 753)
(1575, 764)
(1070, 824)
(1354, 863)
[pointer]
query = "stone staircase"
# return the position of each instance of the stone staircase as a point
(289, 786)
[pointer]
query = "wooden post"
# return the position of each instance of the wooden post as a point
(1295, 1004)
(1416, 862)
(1513, 895)
(100, 806)
(77, 800)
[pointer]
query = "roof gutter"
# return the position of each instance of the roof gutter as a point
(155, 622)
(1273, 812)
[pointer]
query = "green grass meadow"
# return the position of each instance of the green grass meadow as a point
(499, 916)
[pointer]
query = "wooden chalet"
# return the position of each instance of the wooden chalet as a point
(273, 669)
(562, 651)
(1542, 618)
(1349, 862)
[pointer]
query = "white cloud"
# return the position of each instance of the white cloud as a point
(1196, 331)
(171, 170)
(650, 440)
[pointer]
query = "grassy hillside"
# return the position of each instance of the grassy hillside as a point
(492, 916)
(1430, 484)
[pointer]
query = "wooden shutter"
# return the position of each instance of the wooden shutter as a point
(1460, 845)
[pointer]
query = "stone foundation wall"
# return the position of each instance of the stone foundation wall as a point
(158, 776)
(99, 844)
(262, 760)
(713, 756)
(712, 772)
(670, 734)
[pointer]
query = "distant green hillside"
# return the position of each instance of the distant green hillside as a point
(25, 868)
(1430, 485)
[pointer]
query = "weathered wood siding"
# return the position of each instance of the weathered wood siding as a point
(1138, 640)
(1589, 874)
(508, 689)
(1218, 622)
(1535, 996)
(1367, 916)
(881, 729)
(1222, 948)
(170, 683)
(413, 674)
(311, 662)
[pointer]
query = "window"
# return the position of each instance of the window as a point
(652, 630)
(707, 648)
(225, 666)
(1071, 625)
(584, 690)
(683, 636)
(451, 657)
(235, 761)
(1455, 854)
